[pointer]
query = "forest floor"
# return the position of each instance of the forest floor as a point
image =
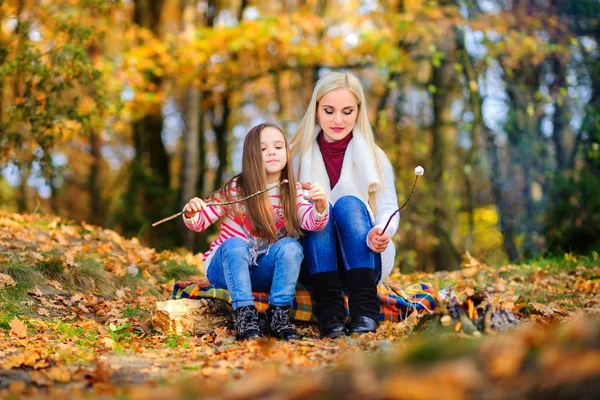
(75, 322)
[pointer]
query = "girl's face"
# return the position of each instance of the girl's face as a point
(274, 153)
(337, 112)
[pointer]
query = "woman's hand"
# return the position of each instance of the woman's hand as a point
(317, 195)
(377, 242)
(193, 206)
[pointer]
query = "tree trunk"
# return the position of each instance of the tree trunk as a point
(222, 137)
(507, 221)
(191, 136)
(558, 122)
(190, 162)
(148, 198)
(23, 191)
(96, 208)
(446, 257)
(470, 159)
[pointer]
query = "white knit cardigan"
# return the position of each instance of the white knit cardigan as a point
(358, 177)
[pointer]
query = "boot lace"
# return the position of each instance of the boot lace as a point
(280, 320)
(246, 319)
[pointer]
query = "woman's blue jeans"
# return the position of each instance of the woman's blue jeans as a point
(277, 271)
(342, 244)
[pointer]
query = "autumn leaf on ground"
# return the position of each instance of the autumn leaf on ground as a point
(18, 328)
(6, 280)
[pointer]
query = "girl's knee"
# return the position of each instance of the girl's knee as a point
(234, 242)
(236, 247)
(290, 244)
(289, 248)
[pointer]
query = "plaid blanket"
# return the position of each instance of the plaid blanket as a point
(396, 302)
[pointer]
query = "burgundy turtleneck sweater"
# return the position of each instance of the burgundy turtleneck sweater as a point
(333, 156)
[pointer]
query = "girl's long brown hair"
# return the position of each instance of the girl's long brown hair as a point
(252, 179)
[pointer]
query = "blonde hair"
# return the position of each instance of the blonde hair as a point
(252, 179)
(307, 134)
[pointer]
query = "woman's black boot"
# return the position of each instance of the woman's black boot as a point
(363, 301)
(328, 304)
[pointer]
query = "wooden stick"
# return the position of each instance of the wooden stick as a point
(405, 203)
(224, 203)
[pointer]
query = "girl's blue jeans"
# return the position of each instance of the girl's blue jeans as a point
(342, 245)
(277, 271)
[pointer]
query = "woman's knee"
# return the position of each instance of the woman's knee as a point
(347, 206)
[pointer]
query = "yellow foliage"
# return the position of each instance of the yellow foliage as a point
(487, 238)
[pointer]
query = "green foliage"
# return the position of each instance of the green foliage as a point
(174, 341)
(48, 78)
(147, 200)
(120, 332)
(132, 312)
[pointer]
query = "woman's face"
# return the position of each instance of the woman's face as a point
(337, 112)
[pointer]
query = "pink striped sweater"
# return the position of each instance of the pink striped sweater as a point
(310, 220)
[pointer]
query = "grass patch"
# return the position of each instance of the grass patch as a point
(133, 282)
(26, 275)
(132, 312)
(84, 338)
(430, 348)
(13, 303)
(178, 270)
(52, 268)
(174, 341)
(566, 262)
(91, 275)
(69, 331)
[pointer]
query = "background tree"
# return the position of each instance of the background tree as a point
(118, 112)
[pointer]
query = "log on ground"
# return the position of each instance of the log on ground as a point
(197, 317)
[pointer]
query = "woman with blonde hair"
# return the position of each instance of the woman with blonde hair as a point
(335, 146)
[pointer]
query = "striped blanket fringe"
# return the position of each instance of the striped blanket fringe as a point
(396, 302)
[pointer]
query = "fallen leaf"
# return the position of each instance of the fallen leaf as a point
(16, 387)
(14, 361)
(58, 374)
(108, 343)
(43, 312)
(6, 280)
(18, 328)
(56, 284)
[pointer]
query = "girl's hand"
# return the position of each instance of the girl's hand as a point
(376, 241)
(317, 195)
(193, 206)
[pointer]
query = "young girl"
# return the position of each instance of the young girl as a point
(257, 248)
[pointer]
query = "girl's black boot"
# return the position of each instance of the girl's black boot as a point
(246, 323)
